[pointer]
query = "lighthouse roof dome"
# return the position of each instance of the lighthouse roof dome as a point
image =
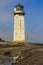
(19, 5)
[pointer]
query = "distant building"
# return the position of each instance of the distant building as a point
(19, 29)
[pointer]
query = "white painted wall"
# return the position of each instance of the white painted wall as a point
(19, 31)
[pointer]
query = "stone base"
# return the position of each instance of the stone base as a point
(19, 41)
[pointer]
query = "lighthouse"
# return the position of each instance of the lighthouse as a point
(19, 26)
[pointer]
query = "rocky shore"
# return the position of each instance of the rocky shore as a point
(22, 54)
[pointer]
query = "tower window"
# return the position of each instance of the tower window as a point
(19, 8)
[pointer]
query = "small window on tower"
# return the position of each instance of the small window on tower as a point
(19, 8)
(20, 24)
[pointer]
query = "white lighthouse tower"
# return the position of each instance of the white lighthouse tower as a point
(19, 31)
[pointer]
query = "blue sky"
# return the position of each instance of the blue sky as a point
(33, 19)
